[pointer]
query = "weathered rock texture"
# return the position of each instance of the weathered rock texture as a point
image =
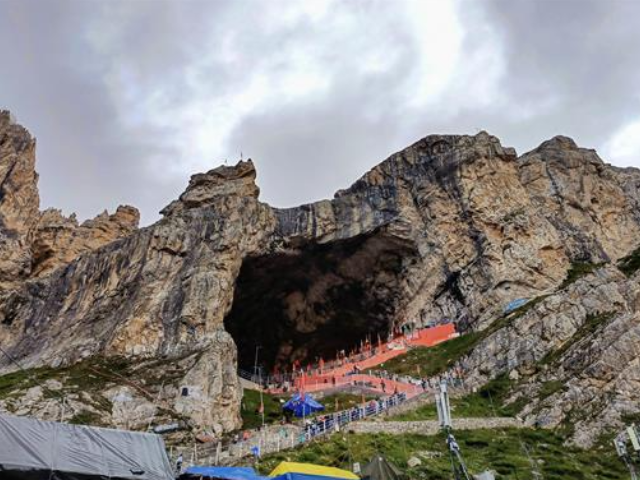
(574, 356)
(34, 243)
(59, 239)
(19, 200)
(452, 226)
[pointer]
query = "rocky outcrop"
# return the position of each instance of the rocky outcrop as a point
(432, 427)
(19, 200)
(160, 292)
(32, 244)
(572, 356)
(452, 226)
(58, 240)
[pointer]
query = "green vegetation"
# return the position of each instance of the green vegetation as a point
(488, 401)
(429, 361)
(504, 451)
(86, 417)
(631, 263)
(517, 313)
(511, 216)
(591, 324)
(578, 270)
(549, 388)
(83, 376)
(345, 401)
(251, 416)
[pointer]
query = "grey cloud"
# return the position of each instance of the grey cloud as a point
(582, 54)
(79, 75)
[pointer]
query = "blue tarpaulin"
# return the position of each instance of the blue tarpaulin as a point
(223, 473)
(511, 306)
(302, 405)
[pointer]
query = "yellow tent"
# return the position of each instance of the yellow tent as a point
(311, 469)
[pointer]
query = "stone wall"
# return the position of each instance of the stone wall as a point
(432, 427)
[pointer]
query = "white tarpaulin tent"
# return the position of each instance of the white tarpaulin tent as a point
(32, 449)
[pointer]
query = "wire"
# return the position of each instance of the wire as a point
(32, 377)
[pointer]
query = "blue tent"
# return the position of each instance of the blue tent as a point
(302, 405)
(222, 473)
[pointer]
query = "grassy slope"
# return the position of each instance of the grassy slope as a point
(631, 263)
(249, 411)
(488, 401)
(93, 376)
(83, 376)
(499, 450)
(429, 361)
(273, 407)
(345, 401)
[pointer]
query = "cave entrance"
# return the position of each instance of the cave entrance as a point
(316, 300)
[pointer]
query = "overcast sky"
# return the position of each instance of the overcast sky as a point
(129, 98)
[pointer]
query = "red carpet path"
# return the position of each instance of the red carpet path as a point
(343, 375)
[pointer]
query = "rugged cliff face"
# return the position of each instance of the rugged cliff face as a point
(452, 226)
(19, 200)
(59, 240)
(33, 243)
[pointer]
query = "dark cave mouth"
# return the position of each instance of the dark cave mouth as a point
(316, 300)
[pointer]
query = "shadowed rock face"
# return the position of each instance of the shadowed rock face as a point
(452, 226)
(318, 299)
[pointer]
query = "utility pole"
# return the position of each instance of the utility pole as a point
(258, 373)
(261, 398)
(255, 363)
(620, 443)
(458, 466)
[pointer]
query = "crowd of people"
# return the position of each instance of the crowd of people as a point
(330, 372)
(452, 377)
(332, 422)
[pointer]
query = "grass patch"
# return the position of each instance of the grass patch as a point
(251, 418)
(589, 327)
(86, 417)
(488, 401)
(511, 216)
(550, 388)
(345, 401)
(499, 450)
(431, 361)
(631, 263)
(16, 381)
(578, 270)
(517, 313)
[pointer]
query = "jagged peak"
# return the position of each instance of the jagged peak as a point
(558, 142)
(561, 149)
(435, 151)
(8, 122)
(125, 215)
(225, 180)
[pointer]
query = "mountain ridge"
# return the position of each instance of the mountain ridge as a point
(453, 226)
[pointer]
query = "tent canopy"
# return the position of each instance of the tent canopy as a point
(33, 450)
(222, 473)
(379, 468)
(307, 471)
(302, 405)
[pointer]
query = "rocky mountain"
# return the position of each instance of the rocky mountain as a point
(453, 226)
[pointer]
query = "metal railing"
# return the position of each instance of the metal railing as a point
(275, 438)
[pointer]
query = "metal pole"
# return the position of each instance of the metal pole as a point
(255, 363)
(261, 397)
